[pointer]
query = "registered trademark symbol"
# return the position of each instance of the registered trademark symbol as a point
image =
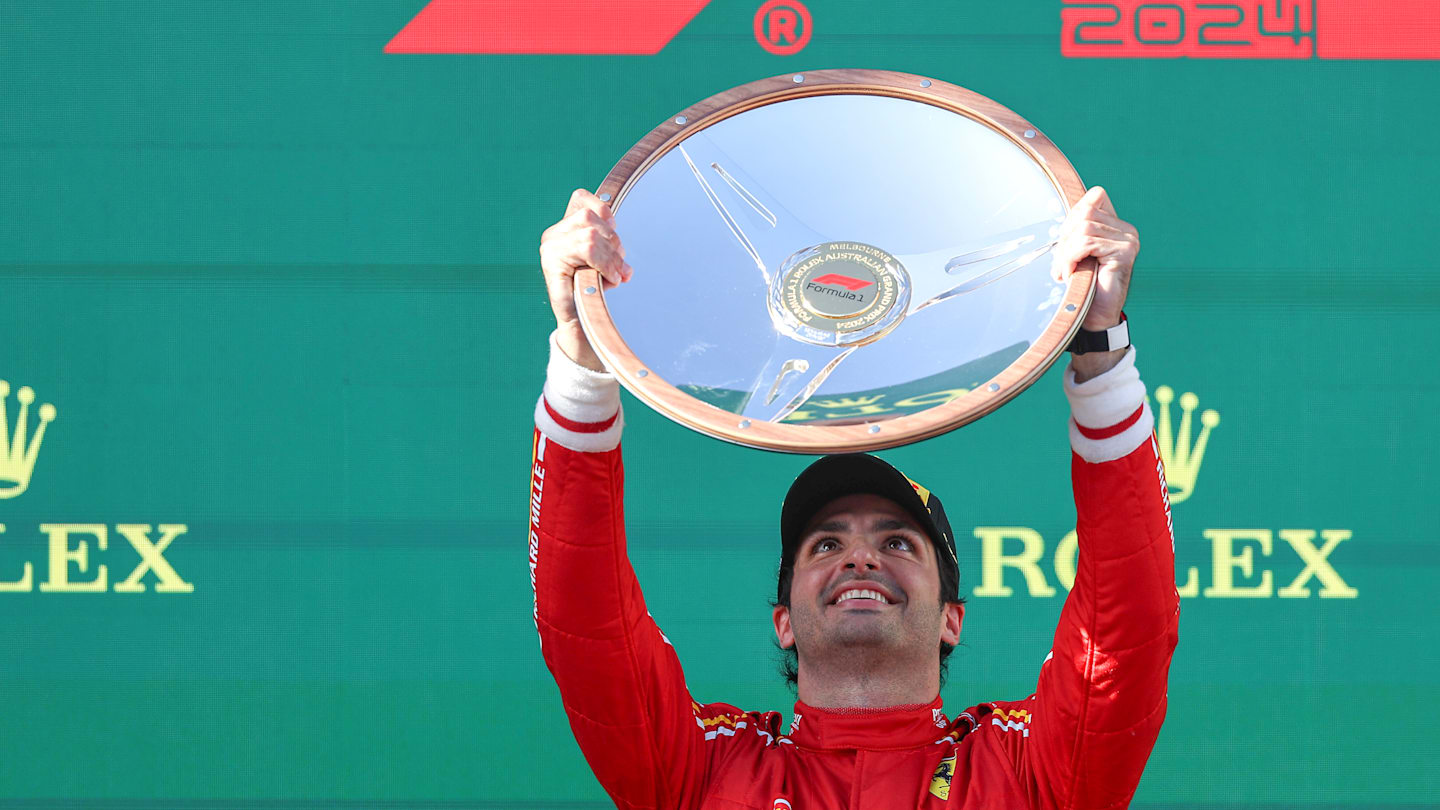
(782, 27)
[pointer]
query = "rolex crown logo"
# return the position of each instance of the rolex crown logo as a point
(1182, 461)
(17, 459)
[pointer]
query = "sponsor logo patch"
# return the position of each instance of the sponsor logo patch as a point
(940, 780)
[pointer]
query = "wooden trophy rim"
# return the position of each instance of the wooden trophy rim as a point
(659, 394)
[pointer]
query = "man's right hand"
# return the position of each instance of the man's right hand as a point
(585, 237)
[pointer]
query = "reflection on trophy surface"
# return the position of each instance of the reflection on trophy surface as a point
(857, 259)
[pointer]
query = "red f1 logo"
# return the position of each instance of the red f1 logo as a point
(545, 26)
(851, 284)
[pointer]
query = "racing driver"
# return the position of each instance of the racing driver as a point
(868, 598)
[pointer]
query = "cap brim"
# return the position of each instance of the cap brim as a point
(849, 474)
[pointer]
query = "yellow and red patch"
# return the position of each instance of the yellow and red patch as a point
(940, 780)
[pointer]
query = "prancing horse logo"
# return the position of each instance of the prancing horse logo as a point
(849, 283)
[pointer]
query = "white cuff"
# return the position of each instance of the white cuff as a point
(578, 394)
(1103, 402)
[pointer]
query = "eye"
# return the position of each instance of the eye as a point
(899, 543)
(824, 544)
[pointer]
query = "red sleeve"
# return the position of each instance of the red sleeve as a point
(619, 678)
(1100, 701)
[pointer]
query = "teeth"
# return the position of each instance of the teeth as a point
(862, 594)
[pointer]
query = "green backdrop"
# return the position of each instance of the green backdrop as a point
(282, 290)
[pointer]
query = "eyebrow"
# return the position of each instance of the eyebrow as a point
(891, 524)
(881, 525)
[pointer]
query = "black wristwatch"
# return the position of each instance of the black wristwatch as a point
(1107, 340)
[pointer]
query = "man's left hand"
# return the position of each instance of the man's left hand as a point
(1092, 229)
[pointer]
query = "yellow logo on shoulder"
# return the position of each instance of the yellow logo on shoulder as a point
(940, 780)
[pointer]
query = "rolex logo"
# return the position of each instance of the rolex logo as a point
(1237, 563)
(70, 556)
(1182, 460)
(17, 457)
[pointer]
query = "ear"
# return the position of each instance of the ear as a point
(953, 617)
(783, 632)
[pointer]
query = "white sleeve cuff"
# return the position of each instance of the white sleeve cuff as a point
(577, 398)
(1105, 402)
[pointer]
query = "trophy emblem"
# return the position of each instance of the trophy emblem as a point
(842, 260)
(839, 294)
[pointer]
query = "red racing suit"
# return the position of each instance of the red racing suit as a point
(1080, 741)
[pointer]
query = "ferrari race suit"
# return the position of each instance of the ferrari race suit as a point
(1080, 741)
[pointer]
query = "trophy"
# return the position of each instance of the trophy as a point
(836, 261)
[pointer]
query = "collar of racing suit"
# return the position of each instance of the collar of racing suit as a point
(870, 729)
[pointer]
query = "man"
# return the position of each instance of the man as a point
(868, 599)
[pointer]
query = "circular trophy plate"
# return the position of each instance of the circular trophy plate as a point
(836, 261)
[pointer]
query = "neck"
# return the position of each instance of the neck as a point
(861, 680)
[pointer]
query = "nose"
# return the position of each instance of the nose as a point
(861, 555)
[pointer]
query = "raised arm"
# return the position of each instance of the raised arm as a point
(1101, 695)
(1100, 700)
(619, 678)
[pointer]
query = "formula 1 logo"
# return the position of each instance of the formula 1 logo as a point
(545, 26)
(633, 27)
(1252, 29)
(851, 284)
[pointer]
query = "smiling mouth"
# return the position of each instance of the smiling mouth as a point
(861, 597)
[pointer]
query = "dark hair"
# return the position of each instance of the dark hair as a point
(790, 659)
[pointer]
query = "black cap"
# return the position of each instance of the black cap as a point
(857, 473)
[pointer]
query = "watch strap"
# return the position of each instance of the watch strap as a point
(1106, 340)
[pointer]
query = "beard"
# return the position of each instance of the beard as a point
(829, 635)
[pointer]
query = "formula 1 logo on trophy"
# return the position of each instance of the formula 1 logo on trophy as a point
(836, 261)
